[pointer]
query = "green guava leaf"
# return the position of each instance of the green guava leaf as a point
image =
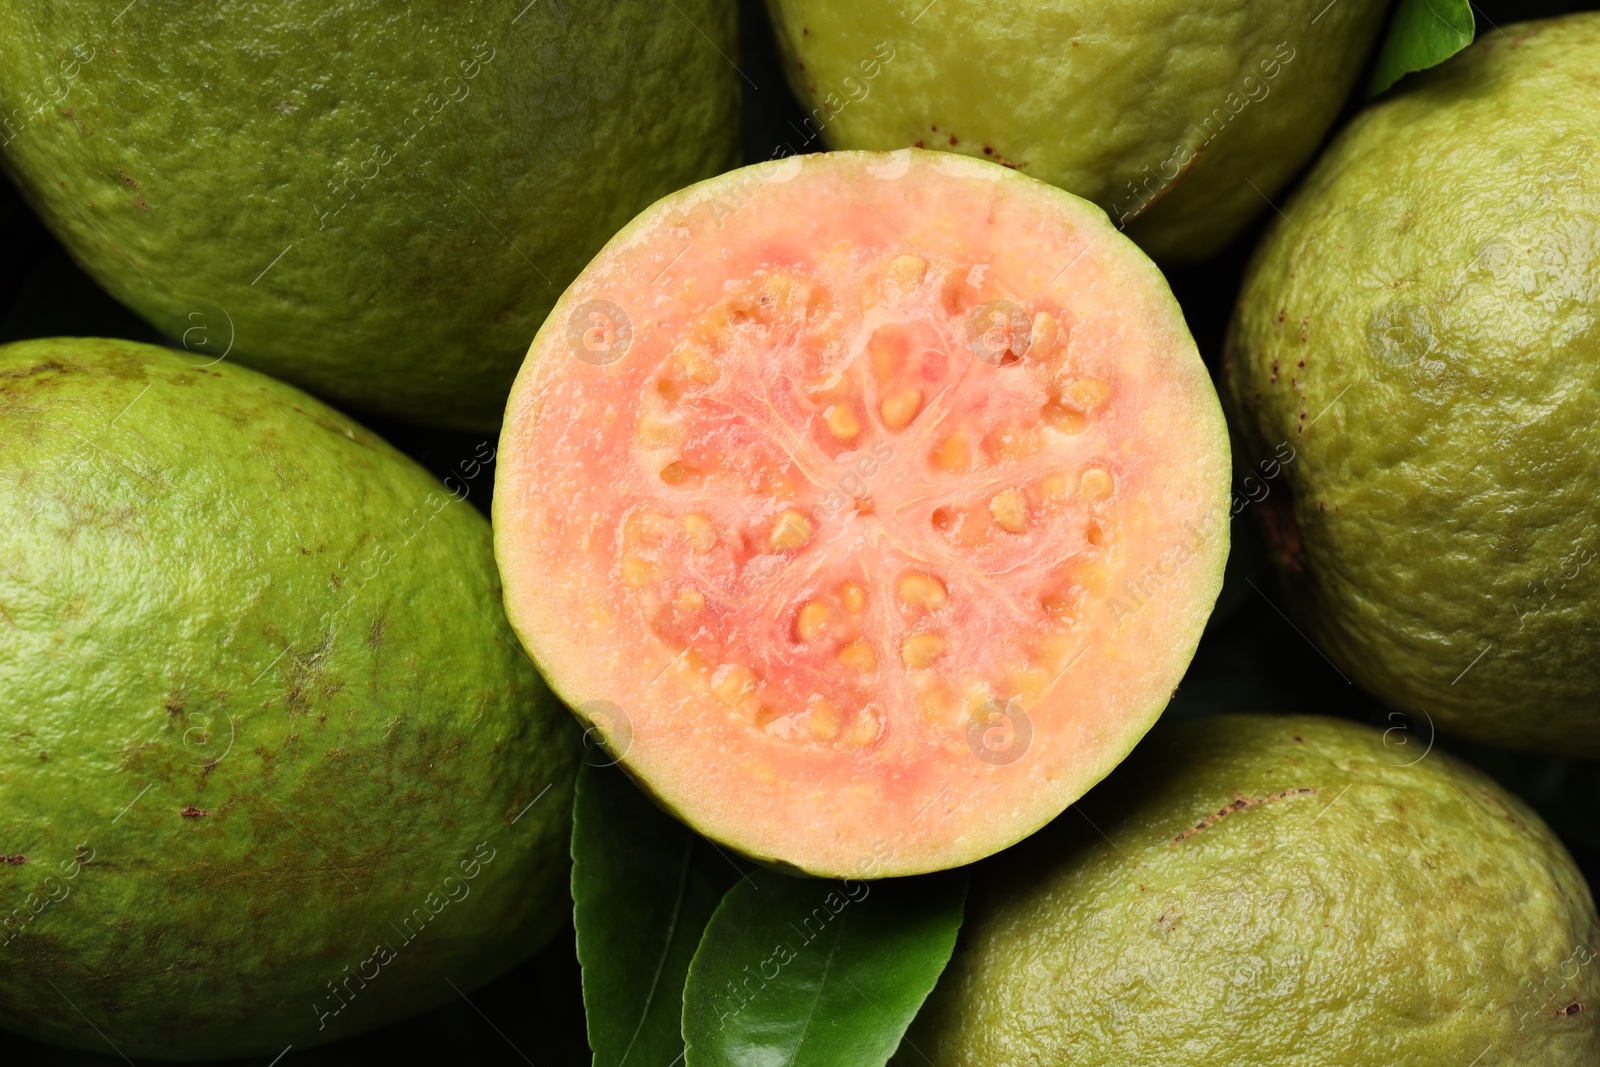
(798, 972)
(643, 887)
(1423, 34)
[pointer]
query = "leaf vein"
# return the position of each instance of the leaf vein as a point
(666, 945)
(827, 966)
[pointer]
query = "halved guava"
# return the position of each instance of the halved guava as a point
(869, 505)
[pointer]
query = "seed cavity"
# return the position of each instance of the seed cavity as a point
(854, 598)
(678, 473)
(654, 432)
(777, 298)
(1063, 605)
(733, 682)
(858, 655)
(889, 347)
(1063, 419)
(1096, 484)
(825, 721)
(922, 591)
(1029, 684)
(1042, 343)
(957, 294)
(919, 650)
(864, 730)
(647, 528)
(842, 422)
(637, 573)
(1095, 534)
(790, 531)
(1089, 395)
(812, 622)
(702, 535)
(1014, 442)
(1095, 577)
(696, 364)
(1053, 488)
(937, 704)
(899, 408)
(906, 273)
(1010, 511)
(954, 452)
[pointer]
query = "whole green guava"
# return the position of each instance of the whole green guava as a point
(1276, 891)
(1179, 119)
(377, 203)
(274, 769)
(1422, 331)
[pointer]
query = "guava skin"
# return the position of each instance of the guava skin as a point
(1423, 328)
(259, 703)
(1164, 114)
(1282, 891)
(432, 177)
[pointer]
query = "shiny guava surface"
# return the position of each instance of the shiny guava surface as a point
(869, 504)
(379, 204)
(1179, 119)
(274, 768)
(1422, 332)
(1276, 891)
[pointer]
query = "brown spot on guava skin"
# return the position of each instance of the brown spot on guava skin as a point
(1239, 803)
(954, 139)
(192, 812)
(50, 365)
(1283, 533)
(1571, 1009)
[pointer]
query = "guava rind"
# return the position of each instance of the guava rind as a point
(1179, 121)
(1421, 327)
(254, 661)
(197, 162)
(1204, 909)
